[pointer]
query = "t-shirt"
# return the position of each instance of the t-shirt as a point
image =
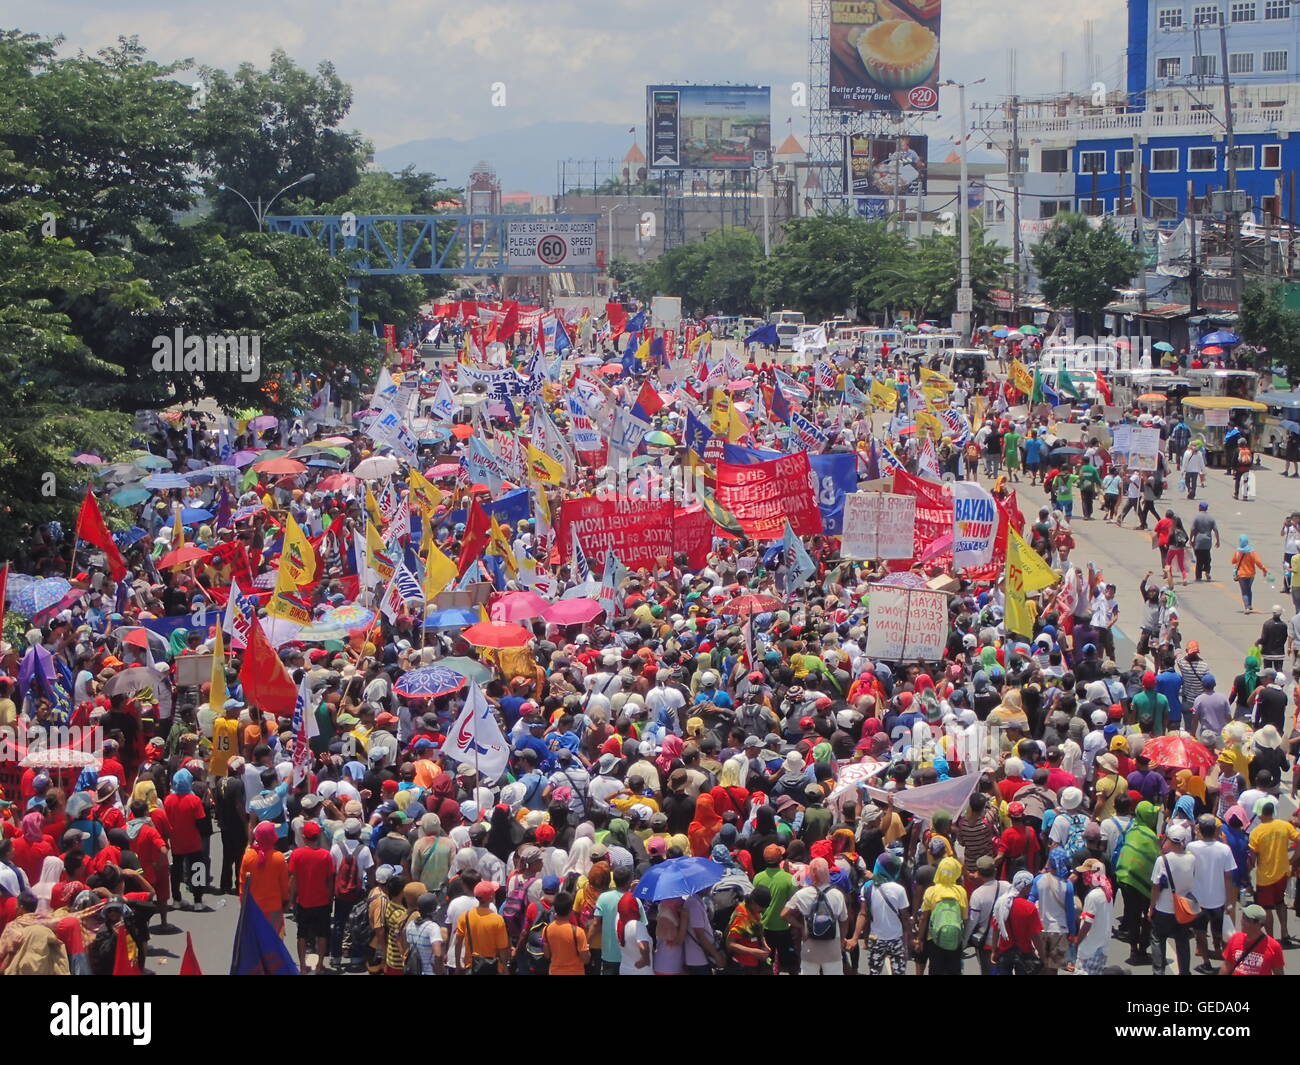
(887, 901)
(485, 933)
(567, 942)
(1213, 859)
(1203, 529)
(225, 745)
(1175, 873)
(1271, 842)
(184, 812)
(1021, 925)
(696, 916)
(313, 872)
(1102, 913)
(634, 934)
(820, 951)
(782, 886)
(1265, 959)
(422, 937)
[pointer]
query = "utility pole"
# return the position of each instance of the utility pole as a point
(965, 298)
(1233, 216)
(1138, 177)
(1017, 179)
(1194, 273)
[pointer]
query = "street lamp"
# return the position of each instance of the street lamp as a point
(965, 298)
(260, 211)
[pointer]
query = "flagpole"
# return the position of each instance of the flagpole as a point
(72, 562)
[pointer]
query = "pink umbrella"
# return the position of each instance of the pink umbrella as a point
(337, 481)
(264, 421)
(443, 469)
(243, 458)
(739, 385)
(87, 459)
(572, 611)
(518, 606)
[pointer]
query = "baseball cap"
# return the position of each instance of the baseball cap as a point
(311, 830)
(485, 890)
(1254, 912)
(773, 852)
(550, 884)
(986, 864)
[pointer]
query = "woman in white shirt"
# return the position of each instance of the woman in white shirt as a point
(633, 939)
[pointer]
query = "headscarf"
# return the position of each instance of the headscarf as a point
(843, 842)
(1097, 878)
(33, 825)
(1243, 542)
(182, 782)
(51, 873)
(1185, 807)
(597, 884)
(941, 767)
(704, 827)
(672, 750)
(176, 645)
(822, 753)
(617, 833)
(628, 910)
(265, 838)
(946, 884)
(1139, 851)
(1059, 863)
(146, 791)
(1250, 678)
(1190, 784)
(579, 859)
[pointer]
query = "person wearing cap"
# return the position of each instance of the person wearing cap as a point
(483, 944)
(1252, 951)
(781, 886)
(1173, 875)
(311, 893)
(884, 917)
(1098, 913)
(1148, 707)
(988, 892)
(425, 937)
(351, 861)
(1273, 855)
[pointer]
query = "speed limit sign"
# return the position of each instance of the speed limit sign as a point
(552, 249)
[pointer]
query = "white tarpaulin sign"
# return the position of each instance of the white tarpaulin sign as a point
(1217, 417)
(878, 525)
(974, 525)
(944, 796)
(1143, 447)
(907, 623)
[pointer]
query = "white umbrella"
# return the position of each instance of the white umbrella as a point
(376, 466)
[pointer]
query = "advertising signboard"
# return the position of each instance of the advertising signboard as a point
(709, 127)
(886, 166)
(884, 55)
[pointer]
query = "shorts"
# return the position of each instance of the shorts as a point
(1208, 919)
(1056, 949)
(314, 922)
(1272, 894)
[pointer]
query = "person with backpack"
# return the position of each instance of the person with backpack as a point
(352, 864)
(1053, 892)
(529, 958)
(941, 930)
(564, 942)
(1017, 929)
(425, 939)
(819, 919)
(884, 917)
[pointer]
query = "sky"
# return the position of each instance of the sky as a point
(422, 69)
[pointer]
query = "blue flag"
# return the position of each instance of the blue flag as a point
(657, 347)
(764, 334)
(562, 342)
(780, 405)
(259, 950)
(799, 564)
(636, 323)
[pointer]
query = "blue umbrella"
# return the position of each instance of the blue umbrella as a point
(678, 878)
(451, 618)
(126, 537)
(328, 464)
(40, 595)
(194, 515)
(1289, 426)
(1221, 337)
(1000, 333)
(152, 462)
(129, 497)
(1162, 345)
(160, 481)
(429, 682)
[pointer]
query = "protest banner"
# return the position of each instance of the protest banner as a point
(639, 531)
(907, 623)
(693, 531)
(764, 495)
(1144, 447)
(878, 525)
(933, 511)
(974, 525)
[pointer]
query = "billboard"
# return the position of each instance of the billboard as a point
(550, 242)
(886, 167)
(884, 55)
(709, 127)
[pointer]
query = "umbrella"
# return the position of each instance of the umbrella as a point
(1220, 336)
(40, 595)
(678, 878)
(129, 497)
(659, 438)
(152, 462)
(194, 515)
(752, 604)
(454, 617)
(376, 466)
(1032, 330)
(1289, 426)
(240, 459)
(263, 421)
(1067, 451)
(139, 636)
(349, 616)
(58, 758)
(1163, 345)
(337, 441)
(337, 481)
(183, 556)
(589, 360)
(461, 431)
(429, 682)
(519, 606)
(1179, 752)
(279, 467)
(467, 667)
(1015, 334)
(1000, 332)
(87, 459)
(1152, 397)
(244, 513)
(1213, 349)
(319, 632)
(443, 469)
(127, 537)
(162, 481)
(222, 471)
(739, 385)
(325, 464)
(572, 611)
(497, 634)
(611, 369)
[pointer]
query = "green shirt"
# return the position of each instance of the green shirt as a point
(1151, 707)
(1063, 486)
(1089, 474)
(782, 886)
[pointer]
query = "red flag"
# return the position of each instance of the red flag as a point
(477, 527)
(122, 963)
(1103, 387)
(490, 335)
(265, 681)
(649, 400)
(617, 319)
(91, 528)
(541, 339)
(190, 963)
(509, 321)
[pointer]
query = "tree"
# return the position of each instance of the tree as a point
(820, 266)
(713, 275)
(1081, 266)
(925, 280)
(1266, 322)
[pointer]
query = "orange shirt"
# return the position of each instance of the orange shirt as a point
(567, 942)
(270, 884)
(484, 933)
(1247, 562)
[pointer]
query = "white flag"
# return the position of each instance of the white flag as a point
(476, 738)
(444, 403)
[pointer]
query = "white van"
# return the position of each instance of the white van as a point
(1086, 357)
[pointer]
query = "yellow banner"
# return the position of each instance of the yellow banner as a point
(883, 396)
(425, 495)
(1020, 377)
(284, 601)
(544, 468)
(439, 571)
(929, 423)
(1026, 573)
(934, 379)
(297, 557)
(377, 556)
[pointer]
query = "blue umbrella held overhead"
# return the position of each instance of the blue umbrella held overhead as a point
(678, 878)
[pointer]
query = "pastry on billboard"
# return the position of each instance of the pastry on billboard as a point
(898, 53)
(922, 9)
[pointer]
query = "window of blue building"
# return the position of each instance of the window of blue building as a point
(1277, 9)
(1169, 18)
(1242, 11)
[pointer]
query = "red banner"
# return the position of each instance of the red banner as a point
(693, 532)
(934, 522)
(390, 338)
(639, 531)
(762, 495)
(670, 343)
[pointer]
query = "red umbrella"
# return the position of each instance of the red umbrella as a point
(337, 481)
(610, 369)
(1213, 349)
(183, 556)
(279, 467)
(752, 603)
(1179, 752)
(497, 634)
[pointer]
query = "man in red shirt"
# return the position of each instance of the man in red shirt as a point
(1020, 931)
(311, 892)
(1160, 536)
(1057, 778)
(184, 812)
(1252, 951)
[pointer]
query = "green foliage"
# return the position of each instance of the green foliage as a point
(924, 280)
(1266, 322)
(713, 275)
(1081, 266)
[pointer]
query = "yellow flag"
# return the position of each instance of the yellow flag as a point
(934, 379)
(1020, 377)
(927, 421)
(439, 571)
(643, 351)
(425, 495)
(178, 531)
(285, 601)
(542, 504)
(500, 545)
(372, 507)
(721, 415)
(217, 696)
(377, 557)
(935, 398)
(544, 468)
(700, 338)
(1026, 573)
(883, 396)
(737, 427)
(297, 557)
